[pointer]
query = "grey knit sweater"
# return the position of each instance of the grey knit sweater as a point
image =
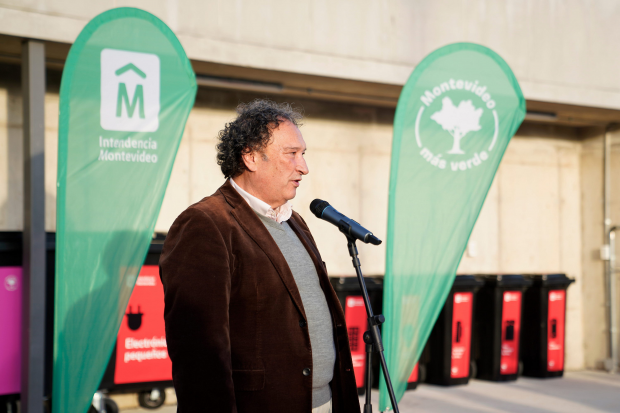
(319, 319)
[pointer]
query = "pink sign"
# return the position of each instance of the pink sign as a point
(10, 328)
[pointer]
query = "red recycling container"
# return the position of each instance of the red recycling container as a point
(140, 358)
(141, 354)
(350, 297)
(140, 361)
(544, 316)
(497, 327)
(449, 345)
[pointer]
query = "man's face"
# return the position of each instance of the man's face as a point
(280, 167)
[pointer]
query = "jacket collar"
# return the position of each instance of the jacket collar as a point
(280, 214)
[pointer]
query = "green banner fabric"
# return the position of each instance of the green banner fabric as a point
(454, 119)
(127, 90)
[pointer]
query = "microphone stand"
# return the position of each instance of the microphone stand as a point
(372, 338)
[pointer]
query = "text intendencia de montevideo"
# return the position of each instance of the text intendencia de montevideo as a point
(138, 150)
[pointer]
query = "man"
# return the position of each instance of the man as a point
(252, 322)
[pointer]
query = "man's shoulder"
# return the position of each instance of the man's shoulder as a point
(214, 208)
(213, 205)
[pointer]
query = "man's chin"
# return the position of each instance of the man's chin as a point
(291, 194)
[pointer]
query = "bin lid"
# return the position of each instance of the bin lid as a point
(551, 280)
(12, 241)
(351, 285)
(507, 280)
(467, 282)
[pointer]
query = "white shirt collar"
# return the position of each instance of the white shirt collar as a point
(280, 214)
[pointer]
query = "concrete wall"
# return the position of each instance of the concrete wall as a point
(543, 212)
(560, 51)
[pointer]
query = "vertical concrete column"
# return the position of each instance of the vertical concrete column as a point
(33, 300)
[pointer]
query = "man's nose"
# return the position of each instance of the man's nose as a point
(302, 167)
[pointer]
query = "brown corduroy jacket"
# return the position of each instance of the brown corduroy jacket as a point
(235, 325)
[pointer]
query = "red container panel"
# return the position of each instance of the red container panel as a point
(414, 374)
(141, 350)
(356, 319)
(461, 334)
(511, 328)
(555, 330)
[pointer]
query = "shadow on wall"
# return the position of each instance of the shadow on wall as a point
(11, 207)
(91, 323)
(12, 177)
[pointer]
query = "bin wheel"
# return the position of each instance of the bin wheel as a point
(152, 399)
(473, 369)
(110, 406)
(520, 371)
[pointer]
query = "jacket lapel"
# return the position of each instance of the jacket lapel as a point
(252, 225)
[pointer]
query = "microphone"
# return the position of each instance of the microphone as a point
(323, 210)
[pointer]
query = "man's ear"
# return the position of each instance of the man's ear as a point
(250, 159)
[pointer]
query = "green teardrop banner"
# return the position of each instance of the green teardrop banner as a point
(127, 90)
(454, 119)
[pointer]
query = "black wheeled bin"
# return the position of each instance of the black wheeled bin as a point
(449, 344)
(350, 297)
(544, 314)
(497, 327)
(140, 361)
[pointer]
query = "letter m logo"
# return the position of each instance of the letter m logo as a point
(123, 96)
(130, 91)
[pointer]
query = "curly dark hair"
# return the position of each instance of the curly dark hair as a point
(251, 131)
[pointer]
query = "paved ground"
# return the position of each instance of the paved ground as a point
(579, 392)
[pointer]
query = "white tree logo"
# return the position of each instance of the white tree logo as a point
(458, 121)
